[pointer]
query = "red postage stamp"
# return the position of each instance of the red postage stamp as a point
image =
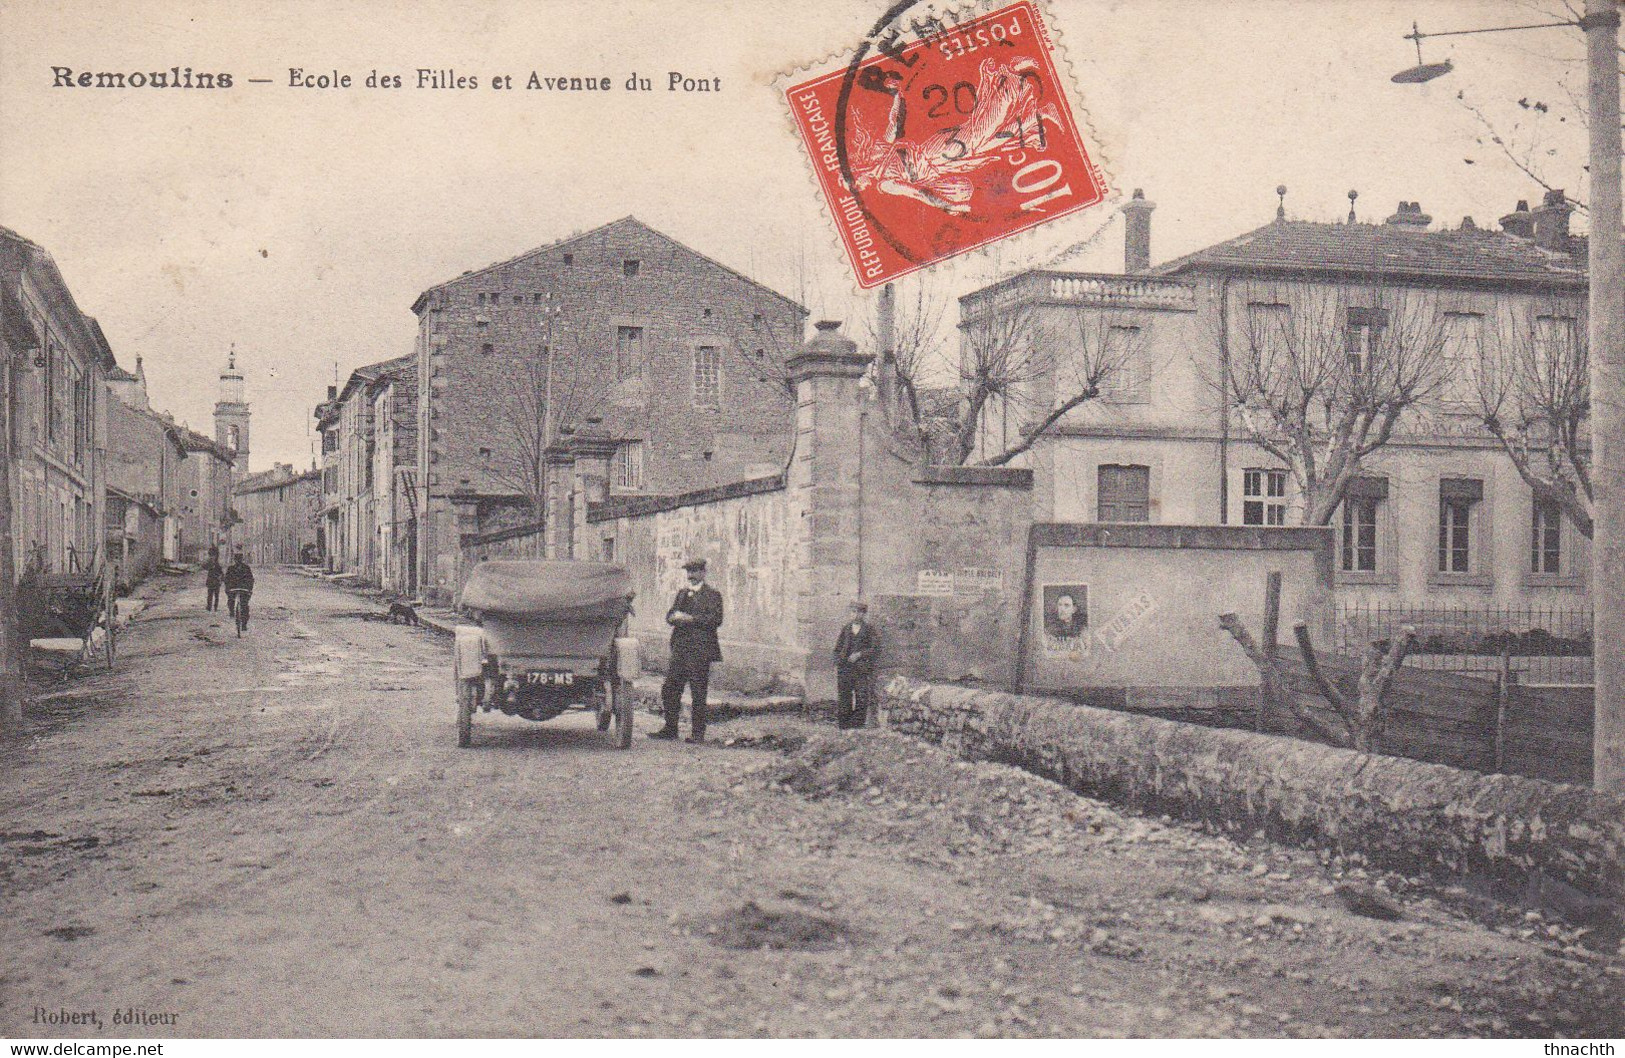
(933, 147)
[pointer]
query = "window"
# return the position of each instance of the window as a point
(1457, 497)
(82, 426)
(1124, 494)
(707, 377)
(1554, 340)
(232, 435)
(609, 549)
(479, 299)
(1361, 506)
(1546, 539)
(630, 266)
(482, 322)
(519, 299)
(1364, 331)
(1125, 377)
(626, 471)
(52, 359)
(569, 260)
(1463, 356)
(486, 347)
(1263, 496)
(628, 352)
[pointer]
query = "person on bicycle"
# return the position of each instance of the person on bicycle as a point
(239, 587)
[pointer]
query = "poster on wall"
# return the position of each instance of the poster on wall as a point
(1066, 619)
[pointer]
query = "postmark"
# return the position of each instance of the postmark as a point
(941, 135)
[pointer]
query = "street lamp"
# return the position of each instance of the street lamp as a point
(1606, 337)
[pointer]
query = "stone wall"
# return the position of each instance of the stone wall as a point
(1150, 597)
(749, 535)
(943, 566)
(1401, 814)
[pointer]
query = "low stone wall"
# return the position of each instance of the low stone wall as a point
(1401, 814)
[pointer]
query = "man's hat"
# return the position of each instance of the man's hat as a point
(695, 563)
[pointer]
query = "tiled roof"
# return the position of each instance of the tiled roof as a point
(627, 221)
(1460, 254)
(372, 373)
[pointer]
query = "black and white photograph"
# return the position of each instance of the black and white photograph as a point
(857, 519)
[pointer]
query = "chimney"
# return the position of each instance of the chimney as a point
(1137, 233)
(1410, 215)
(1519, 222)
(1552, 221)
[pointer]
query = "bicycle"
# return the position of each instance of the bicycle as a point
(237, 603)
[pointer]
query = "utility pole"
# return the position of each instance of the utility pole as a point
(1606, 337)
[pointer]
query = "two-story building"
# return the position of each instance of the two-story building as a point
(366, 426)
(678, 357)
(1436, 517)
(56, 396)
(277, 511)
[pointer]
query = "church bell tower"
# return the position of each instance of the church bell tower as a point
(231, 417)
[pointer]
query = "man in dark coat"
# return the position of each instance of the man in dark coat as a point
(695, 616)
(855, 651)
(213, 573)
(239, 580)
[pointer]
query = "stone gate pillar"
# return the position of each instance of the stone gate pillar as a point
(559, 479)
(823, 482)
(592, 451)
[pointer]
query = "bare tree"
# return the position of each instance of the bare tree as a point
(909, 344)
(1534, 395)
(1036, 378)
(762, 353)
(1536, 137)
(528, 428)
(1319, 377)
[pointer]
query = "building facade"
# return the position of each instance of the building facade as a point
(146, 484)
(366, 426)
(278, 511)
(676, 359)
(204, 515)
(1439, 516)
(56, 394)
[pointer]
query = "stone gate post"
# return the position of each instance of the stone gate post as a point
(823, 480)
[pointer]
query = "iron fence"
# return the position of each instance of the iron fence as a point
(1543, 644)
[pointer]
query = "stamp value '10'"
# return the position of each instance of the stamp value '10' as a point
(955, 140)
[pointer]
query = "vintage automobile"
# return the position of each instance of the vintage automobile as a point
(549, 638)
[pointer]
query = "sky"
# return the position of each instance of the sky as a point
(298, 225)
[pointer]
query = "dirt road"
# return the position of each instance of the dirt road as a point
(278, 836)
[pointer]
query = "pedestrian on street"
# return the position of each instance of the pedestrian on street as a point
(695, 616)
(239, 580)
(213, 573)
(855, 651)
